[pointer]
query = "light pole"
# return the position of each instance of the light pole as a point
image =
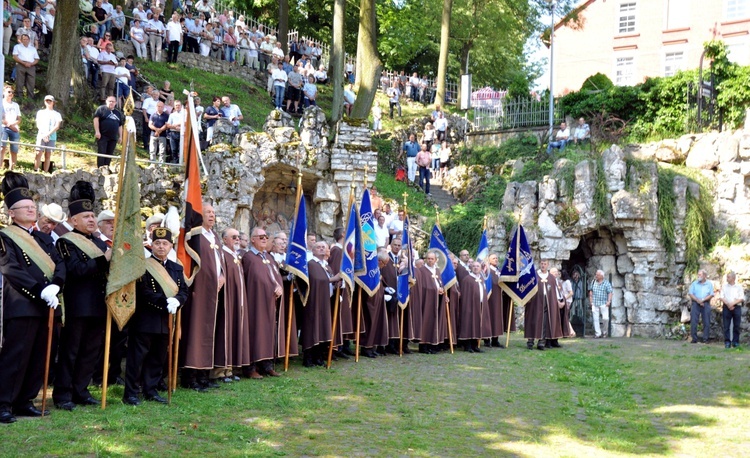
(551, 67)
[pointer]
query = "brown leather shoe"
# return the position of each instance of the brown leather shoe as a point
(273, 373)
(255, 375)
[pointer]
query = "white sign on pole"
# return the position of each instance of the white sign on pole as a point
(465, 102)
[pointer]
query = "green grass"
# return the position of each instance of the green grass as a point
(595, 398)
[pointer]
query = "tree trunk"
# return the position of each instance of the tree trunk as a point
(336, 72)
(283, 32)
(367, 59)
(445, 28)
(168, 9)
(64, 54)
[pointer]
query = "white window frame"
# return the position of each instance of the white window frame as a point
(739, 49)
(684, 14)
(631, 78)
(626, 20)
(671, 51)
(735, 10)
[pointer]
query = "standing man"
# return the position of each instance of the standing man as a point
(541, 318)
(232, 112)
(345, 325)
(732, 296)
(108, 122)
(159, 293)
(495, 302)
(411, 148)
(375, 330)
(155, 29)
(157, 124)
(33, 274)
(701, 292)
(463, 269)
(430, 287)
(26, 57)
(424, 159)
(316, 315)
(149, 108)
(474, 314)
(265, 299)
(389, 274)
(174, 37)
(394, 94)
(600, 296)
(174, 124)
(107, 61)
(199, 319)
(48, 121)
(396, 226)
(87, 264)
(11, 127)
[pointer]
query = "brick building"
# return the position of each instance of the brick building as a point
(630, 40)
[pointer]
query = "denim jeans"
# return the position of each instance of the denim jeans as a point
(279, 98)
(556, 144)
(424, 179)
(731, 318)
(229, 53)
(700, 311)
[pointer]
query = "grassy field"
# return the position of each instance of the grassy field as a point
(633, 397)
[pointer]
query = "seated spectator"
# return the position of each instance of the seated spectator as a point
(166, 91)
(561, 139)
(582, 132)
(349, 98)
(310, 91)
(321, 76)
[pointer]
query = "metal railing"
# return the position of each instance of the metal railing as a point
(426, 93)
(515, 113)
(64, 151)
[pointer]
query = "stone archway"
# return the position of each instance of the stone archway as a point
(604, 249)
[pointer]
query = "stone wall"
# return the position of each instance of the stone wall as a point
(650, 290)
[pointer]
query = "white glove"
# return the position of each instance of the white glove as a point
(49, 292)
(172, 305)
(389, 290)
(388, 297)
(53, 303)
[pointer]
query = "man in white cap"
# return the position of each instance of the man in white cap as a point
(48, 121)
(152, 223)
(106, 223)
(52, 215)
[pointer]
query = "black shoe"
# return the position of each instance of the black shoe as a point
(496, 343)
(67, 405)
(406, 349)
(131, 400)
(477, 350)
(555, 344)
(727, 345)
(530, 344)
(693, 341)
(29, 411)
(487, 343)
(196, 386)
(209, 384)
(735, 344)
(341, 354)
(161, 386)
(7, 418)
(308, 363)
(347, 350)
(156, 398)
(89, 401)
(367, 352)
(391, 349)
(540, 346)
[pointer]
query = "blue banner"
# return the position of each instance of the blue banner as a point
(296, 255)
(406, 277)
(353, 259)
(369, 281)
(437, 242)
(482, 255)
(518, 274)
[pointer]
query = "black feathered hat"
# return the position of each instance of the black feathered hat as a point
(81, 198)
(15, 188)
(161, 233)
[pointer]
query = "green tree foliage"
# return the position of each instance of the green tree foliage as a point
(597, 82)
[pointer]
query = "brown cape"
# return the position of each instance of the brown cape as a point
(237, 322)
(199, 315)
(376, 319)
(430, 304)
(389, 274)
(261, 279)
(346, 322)
(454, 296)
(542, 317)
(316, 315)
(474, 316)
(461, 272)
(497, 321)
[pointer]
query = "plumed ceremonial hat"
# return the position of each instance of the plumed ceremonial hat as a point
(161, 233)
(15, 188)
(81, 198)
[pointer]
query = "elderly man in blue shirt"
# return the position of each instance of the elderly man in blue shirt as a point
(701, 291)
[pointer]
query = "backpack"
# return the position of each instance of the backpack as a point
(400, 174)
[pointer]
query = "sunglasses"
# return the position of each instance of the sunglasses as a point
(263, 237)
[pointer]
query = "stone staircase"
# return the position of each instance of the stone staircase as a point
(442, 198)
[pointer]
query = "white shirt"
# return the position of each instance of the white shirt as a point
(46, 120)
(396, 225)
(12, 112)
(381, 234)
(434, 272)
(156, 26)
(177, 117)
(123, 74)
(141, 14)
(479, 280)
(732, 292)
(174, 31)
(324, 264)
(137, 33)
(110, 58)
(25, 53)
(149, 105)
(232, 112)
(279, 77)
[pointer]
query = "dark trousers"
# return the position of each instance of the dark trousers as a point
(118, 348)
(172, 51)
(424, 179)
(174, 147)
(392, 105)
(22, 361)
(81, 342)
(105, 146)
(191, 45)
(731, 318)
(700, 311)
(146, 355)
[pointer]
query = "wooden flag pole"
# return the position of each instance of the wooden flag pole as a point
(289, 326)
(359, 321)
(401, 323)
(175, 356)
(105, 373)
(170, 375)
(401, 335)
(333, 326)
(507, 334)
(448, 314)
(50, 325)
